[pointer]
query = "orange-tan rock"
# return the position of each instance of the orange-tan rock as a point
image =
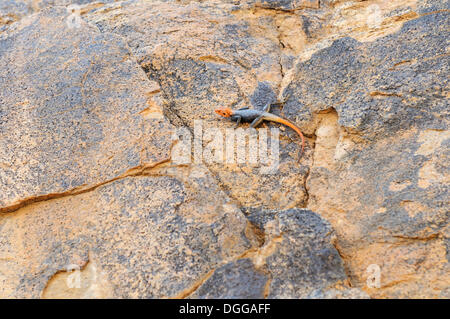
(93, 204)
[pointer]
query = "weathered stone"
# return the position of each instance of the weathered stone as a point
(288, 4)
(11, 11)
(221, 51)
(127, 230)
(432, 6)
(14, 10)
(297, 260)
(380, 172)
(148, 236)
(226, 61)
(298, 253)
(85, 133)
(305, 258)
(70, 100)
(139, 236)
(400, 84)
(388, 203)
(351, 293)
(237, 280)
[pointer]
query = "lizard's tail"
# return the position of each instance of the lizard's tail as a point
(292, 126)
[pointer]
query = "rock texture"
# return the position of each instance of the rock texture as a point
(226, 62)
(148, 236)
(86, 129)
(93, 205)
(297, 260)
(388, 154)
(298, 253)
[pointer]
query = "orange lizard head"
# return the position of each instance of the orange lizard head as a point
(224, 111)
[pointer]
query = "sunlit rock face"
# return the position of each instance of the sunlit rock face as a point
(93, 204)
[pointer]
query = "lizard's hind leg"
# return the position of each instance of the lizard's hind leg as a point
(257, 121)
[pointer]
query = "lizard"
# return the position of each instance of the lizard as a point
(256, 117)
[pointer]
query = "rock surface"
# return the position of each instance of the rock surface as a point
(226, 62)
(148, 237)
(297, 260)
(87, 129)
(383, 152)
(94, 205)
(298, 253)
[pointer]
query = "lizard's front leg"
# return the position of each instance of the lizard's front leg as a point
(238, 119)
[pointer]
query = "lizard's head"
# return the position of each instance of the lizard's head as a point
(224, 111)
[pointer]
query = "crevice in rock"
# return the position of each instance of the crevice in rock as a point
(305, 187)
(255, 234)
(433, 12)
(189, 291)
(132, 172)
(267, 287)
(417, 238)
(172, 116)
(301, 5)
(282, 46)
(57, 280)
(315, 144)
(175, 119)
(82, 280)
(405, 279)
(345, 263)
(249, 253)
(281, 25)
(327, 137)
